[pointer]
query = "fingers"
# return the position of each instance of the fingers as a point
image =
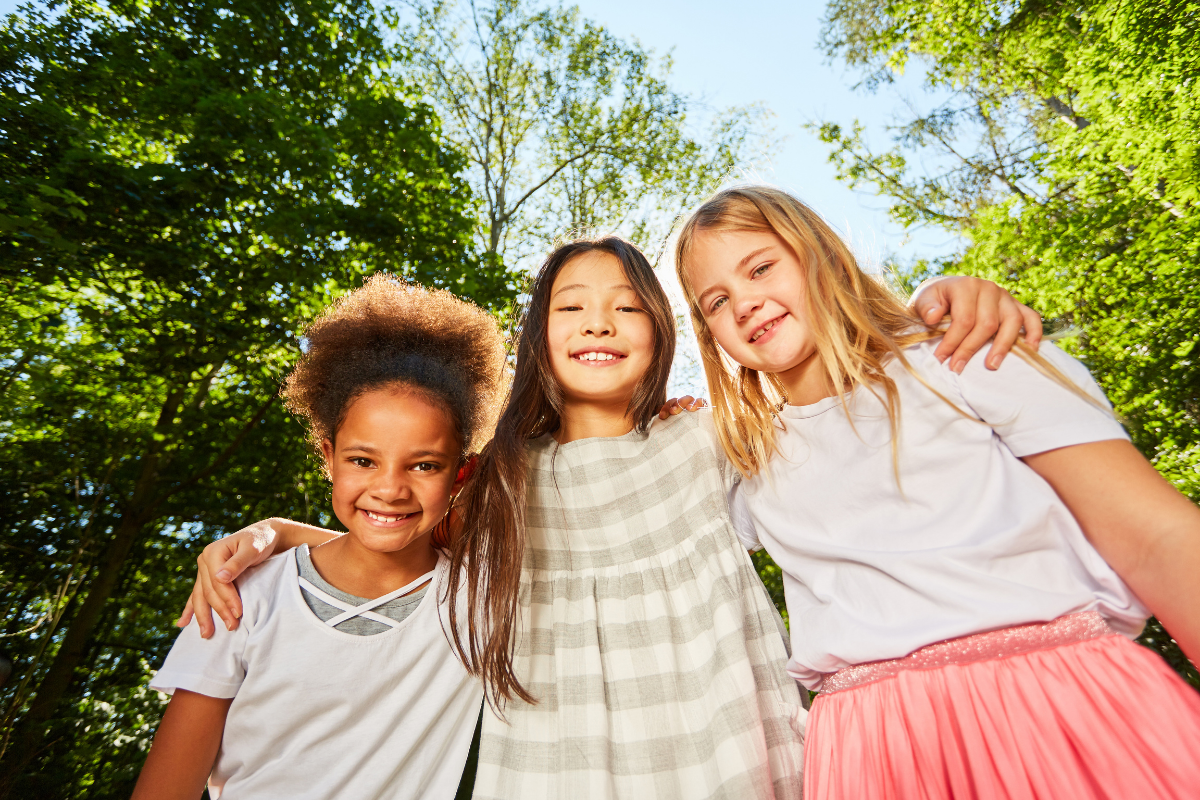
(217, 600)
(1006, 337)
(933, 315)
(675, 405)
(226, 595)
(244, 557)
(204, 617)
(186, 616)
(985, 322)
(930, 300)
(670, 408)
(1032, 322)
(961, 323)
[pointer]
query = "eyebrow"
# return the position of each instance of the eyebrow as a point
(746, 260)
(585, 286)
(423, 453)
(365, 448)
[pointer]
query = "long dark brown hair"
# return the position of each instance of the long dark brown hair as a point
(487, 553)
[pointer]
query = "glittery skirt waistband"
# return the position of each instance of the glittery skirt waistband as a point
(976, 647)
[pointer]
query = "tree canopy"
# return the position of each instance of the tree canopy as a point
(1067, 160)
(567, 127)
(185, 185)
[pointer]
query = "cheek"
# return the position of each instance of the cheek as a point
(344, 491)
(641, 336)
(558, 333)
(725, 333)
(557, 339)
(435, 495)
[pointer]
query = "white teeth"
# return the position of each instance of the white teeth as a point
(382, 518)
(595, 357)
(763, 330)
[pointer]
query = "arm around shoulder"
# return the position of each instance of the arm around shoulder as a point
(185, 748)
(1141, 525)
(225, 559)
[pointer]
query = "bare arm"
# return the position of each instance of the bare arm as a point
(1145, 529)
(225, 559)
(979, 311)
(184, 749)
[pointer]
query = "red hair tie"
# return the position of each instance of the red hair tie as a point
(466, 469)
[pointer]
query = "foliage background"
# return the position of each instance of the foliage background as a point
(1066, 159)
(186, 184)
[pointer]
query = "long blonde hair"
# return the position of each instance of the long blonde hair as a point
(858, 324)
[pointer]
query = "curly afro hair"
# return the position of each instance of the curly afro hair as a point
(394, 333)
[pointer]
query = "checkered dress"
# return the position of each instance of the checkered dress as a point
(648, 639)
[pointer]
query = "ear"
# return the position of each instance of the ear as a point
(327, 452)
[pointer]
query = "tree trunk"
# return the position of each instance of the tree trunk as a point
(29, 736)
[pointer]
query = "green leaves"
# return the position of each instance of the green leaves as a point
(566, 127)
(1068, 163)
(185, 186)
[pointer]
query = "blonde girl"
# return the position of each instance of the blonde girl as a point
(626, 644)
(966, 556)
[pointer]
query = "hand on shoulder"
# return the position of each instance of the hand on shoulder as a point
(678, 404)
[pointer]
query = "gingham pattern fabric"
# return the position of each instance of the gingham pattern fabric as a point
(648, 639)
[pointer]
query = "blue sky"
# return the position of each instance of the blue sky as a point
(766, 51)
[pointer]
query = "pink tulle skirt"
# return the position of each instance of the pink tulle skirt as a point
(1058, 711)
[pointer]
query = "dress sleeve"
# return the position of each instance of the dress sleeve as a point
(212, 667)
(1030, 411)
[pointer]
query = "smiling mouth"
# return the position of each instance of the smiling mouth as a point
(758, 334)
(388, 518)
(597, 357)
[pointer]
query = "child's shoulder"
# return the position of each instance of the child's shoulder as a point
(683, 423)
(262, 579)
(695, 430)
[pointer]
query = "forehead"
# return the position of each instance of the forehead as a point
(593, 270)
(714, 253)
(396, 417)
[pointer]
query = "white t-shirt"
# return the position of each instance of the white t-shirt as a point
(318, 713)
(971, 540)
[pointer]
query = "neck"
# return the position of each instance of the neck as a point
(349, 566)
(807, 383)
(592, 420)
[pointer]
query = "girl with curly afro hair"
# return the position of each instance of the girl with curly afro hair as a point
(398, 386)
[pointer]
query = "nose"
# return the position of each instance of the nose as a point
(745, 306)
(390, 485)
(598, 322)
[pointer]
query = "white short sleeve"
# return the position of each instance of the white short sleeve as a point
(212, 667)
(743, 522)
(1031, 412)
